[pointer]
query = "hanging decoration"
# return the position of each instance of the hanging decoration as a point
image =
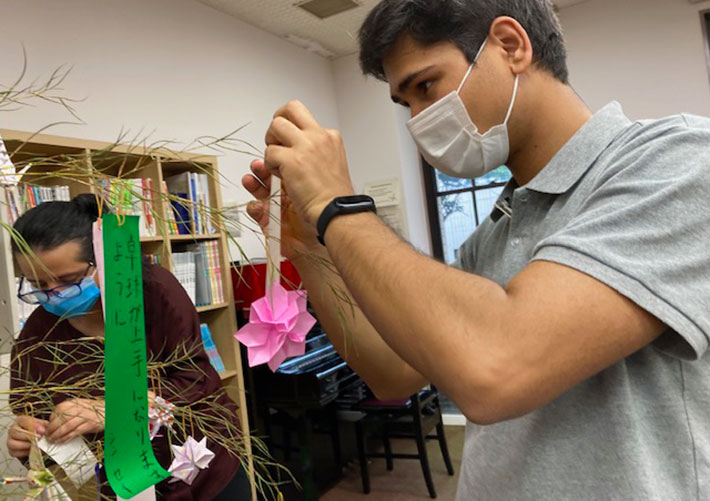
(278, 322)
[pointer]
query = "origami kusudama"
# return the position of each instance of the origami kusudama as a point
(189, 459)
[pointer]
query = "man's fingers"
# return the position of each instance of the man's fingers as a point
(282, 132)
(258, 213)
(256, 210)
(261, 173)
(258, 183)
(273, 158)
(253, 186)
(297, 113)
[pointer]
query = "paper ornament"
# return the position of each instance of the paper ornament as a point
(189, 459)
(42, 483)
(278, 322)
(277, 327)
(160, 413)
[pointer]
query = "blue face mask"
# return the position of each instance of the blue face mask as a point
(68, 307)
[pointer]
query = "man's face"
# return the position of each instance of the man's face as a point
(420, 75)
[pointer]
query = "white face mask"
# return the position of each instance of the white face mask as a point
(448, 139)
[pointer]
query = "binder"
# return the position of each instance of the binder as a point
(211, 349)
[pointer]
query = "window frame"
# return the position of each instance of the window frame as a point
(432, 194)
(705, 25)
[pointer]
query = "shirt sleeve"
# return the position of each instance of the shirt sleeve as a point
(645, 231)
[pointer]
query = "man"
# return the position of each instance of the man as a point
(568, 332)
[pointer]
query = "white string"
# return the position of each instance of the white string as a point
(470, 68)
(273, 239)
(512, 101)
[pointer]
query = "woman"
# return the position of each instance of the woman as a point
(60, 349)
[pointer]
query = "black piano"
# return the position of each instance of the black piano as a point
(311, 381)
(300, 400)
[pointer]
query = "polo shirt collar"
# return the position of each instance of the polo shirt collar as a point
(581, 151)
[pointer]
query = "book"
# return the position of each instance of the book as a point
(191, 202)
(205, 193)
(198, 270)
(184, 270)
(169, 215)
(151, 259)
(211, 348)
(17, 199)
(192, 192)
(179, 188)
(203, 292)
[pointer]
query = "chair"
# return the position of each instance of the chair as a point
(415, 418)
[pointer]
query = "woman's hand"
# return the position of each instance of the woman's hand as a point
(21, 433)
(76, 417)
(296, 239)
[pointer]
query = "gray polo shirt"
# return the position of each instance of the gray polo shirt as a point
(629, 204)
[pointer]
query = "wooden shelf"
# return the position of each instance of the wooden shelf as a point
(212, 307)
(227, 374)
(188, 238)
(153, 164)
(157, 238)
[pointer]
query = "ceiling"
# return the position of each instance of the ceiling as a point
(333, 37)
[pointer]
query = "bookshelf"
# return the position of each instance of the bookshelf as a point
(73, 163)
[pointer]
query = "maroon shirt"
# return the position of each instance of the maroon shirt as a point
(172, 325)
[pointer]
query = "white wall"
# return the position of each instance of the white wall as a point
(647, 54)
(377, 143)
(175, 67)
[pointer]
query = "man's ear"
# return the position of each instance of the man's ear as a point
(510, 36)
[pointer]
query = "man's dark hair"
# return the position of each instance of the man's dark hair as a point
(52, 224)
(463, 22)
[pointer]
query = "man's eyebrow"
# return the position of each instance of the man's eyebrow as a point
(404, 84)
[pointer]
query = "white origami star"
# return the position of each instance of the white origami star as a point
(189, 459)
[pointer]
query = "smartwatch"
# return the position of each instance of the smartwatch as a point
(343, 205)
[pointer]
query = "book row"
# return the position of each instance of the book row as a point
(199, 271)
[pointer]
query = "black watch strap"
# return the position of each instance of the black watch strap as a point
(343, 205)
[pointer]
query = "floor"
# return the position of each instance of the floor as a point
(406, 482)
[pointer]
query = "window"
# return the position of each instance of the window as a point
(458, 206)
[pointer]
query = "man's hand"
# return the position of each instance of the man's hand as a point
(19, 437)
(296, 239)
(75, 417)
(309, 159)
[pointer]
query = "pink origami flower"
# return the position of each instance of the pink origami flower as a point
(277, 328)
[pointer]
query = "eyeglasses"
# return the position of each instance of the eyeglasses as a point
(64, 291)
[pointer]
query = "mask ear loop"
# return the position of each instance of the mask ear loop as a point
(512, 101)
(470, 68)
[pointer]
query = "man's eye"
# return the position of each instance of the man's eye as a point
(424, 86)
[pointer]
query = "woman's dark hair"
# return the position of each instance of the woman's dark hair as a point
(52, 224)
(465, 23)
